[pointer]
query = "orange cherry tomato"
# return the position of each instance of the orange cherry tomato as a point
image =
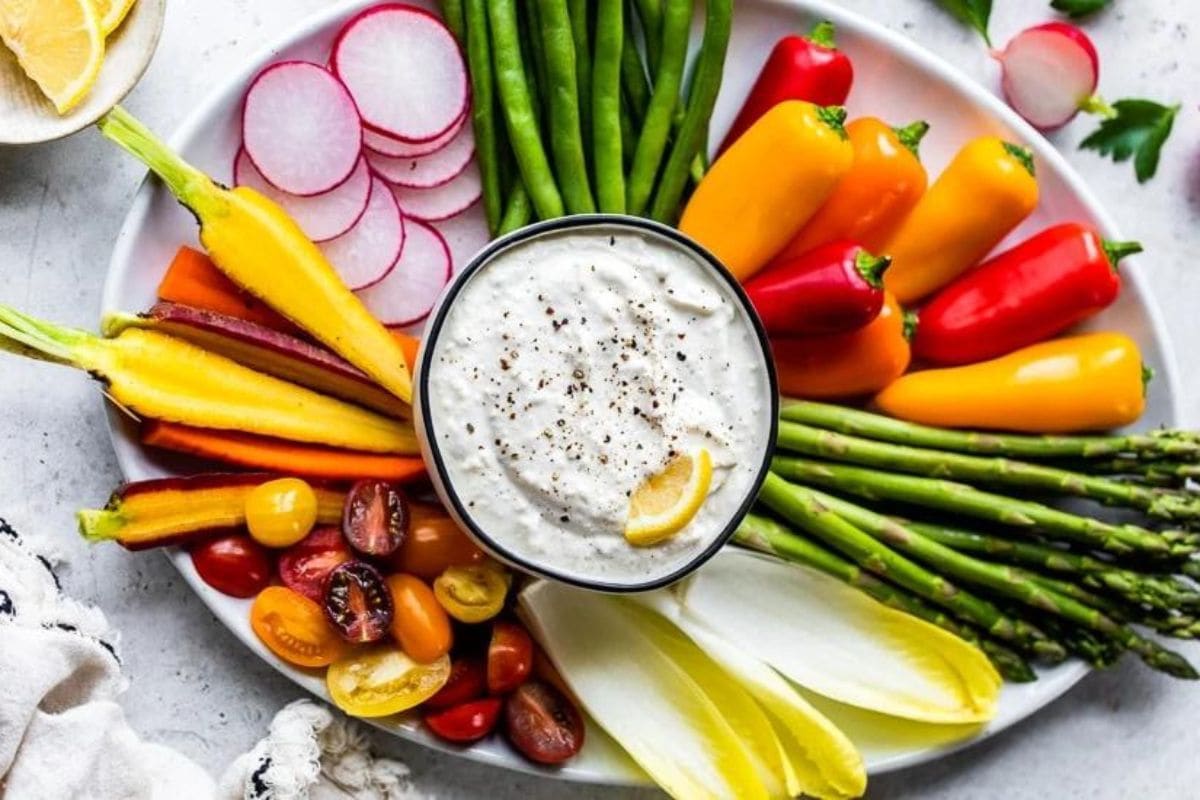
(434, 543)
(419, 623)
(294, 628)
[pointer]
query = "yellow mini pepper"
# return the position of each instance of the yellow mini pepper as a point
(987, 191)
(762, 191)
(1081, 383)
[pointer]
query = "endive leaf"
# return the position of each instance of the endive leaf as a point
(837, 642)
(820, 760)
(645, 700)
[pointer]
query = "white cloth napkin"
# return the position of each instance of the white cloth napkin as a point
(64, 735)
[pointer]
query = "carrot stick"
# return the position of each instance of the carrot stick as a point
(409, 345)
(277, 455)
(193, 280)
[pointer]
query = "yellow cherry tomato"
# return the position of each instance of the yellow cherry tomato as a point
(384, 681)
(472, 594)
(282, 512)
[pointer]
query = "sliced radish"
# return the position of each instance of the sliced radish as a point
(442, 202)
(405, 70)
(407, 294)
(466, 234)
(1050, 71)
(426, 172)
(398, 148)
(301, 128)
(366, 253)
(323, 216)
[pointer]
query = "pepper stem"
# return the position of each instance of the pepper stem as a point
(1022, 154)
(911, 323)
(911, 135)
(1147, 377)
(872, 268)
(190, 186)
(834, 117)
(823, 35)
(1119, 250)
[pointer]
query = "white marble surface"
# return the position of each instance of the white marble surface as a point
(1128, 733)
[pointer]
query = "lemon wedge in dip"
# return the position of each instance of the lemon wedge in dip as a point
(666, 502)
(58, 43)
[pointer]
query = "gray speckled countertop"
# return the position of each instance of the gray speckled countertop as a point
(1128, 733)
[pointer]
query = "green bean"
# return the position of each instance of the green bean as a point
(607, 134)
(566, 135)
(455, 19)
(538, 76)
(517, 211)
(628, 138)
(706, 85)
(483, 110)
(518, 111)
(633, 77)
(650, 12)
(656, 128)
(581, 16)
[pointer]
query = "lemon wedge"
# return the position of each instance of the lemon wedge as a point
(58, 43)
(112, 13)
(666, 502)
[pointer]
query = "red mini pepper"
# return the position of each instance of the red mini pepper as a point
(837, 287)
(799, 68)
(1025, 295)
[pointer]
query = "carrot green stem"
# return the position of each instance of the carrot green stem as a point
(37, 339)
(99, 525)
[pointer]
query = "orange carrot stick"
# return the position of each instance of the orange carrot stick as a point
(193, 280)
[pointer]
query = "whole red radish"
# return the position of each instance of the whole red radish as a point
(1025, 295)
(1051, 72)
(799, 68)
(837, 287)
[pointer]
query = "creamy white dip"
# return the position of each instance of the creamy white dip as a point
(575, 365)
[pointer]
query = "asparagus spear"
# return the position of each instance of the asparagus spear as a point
(1003, 580)
(768, 536)
(1097, 651)
(801, 508)
(959, 498)
(1161, 503)
(876, 426)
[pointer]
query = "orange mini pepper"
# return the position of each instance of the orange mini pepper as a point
(986, 191)
(1081, 383)
(845, 364)
(870, 203)
(768, 184)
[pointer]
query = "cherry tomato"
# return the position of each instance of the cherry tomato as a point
(419, 623)
(376, 518)
(468, 722)
(305, 566)
(358, 603)
(383, 681)
(542, 723)
(471, 594)
(509, 658)
(294, 628)
(467, 681)
(280, 513)
(433, 544)
(234, 565)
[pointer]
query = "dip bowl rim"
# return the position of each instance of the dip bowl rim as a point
(431, 450)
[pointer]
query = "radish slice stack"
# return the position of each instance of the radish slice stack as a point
(364, 157)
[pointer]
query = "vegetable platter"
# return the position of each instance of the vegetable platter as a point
(895, 80)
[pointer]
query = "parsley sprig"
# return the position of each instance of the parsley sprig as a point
(1079, 8)
(1135, 129)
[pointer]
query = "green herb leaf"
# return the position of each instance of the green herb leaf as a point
(1079, 8)
(1134, 129)
(975, 13)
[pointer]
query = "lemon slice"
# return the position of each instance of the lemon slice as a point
(112, 13)
(666, 502)
(58, 43)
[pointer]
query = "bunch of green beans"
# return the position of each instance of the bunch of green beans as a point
(582, 105)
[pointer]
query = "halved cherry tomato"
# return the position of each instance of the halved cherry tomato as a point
(467, 681)
(419, 623)
(510, 657)
(542, 723)
(434, 543)
(358, 603)
(468, 722)
(471, 594)
(383, 681)
(281, 512)
(294, 628)
(376, 517)
(234, 565)
(304, 566)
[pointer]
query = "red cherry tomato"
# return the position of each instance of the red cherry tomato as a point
(234, 565)
(468, 722)
(510, 657)
(304, 566)
(542, 723)
(468, 681)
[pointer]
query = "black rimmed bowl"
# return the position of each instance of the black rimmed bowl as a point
(426, 385)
